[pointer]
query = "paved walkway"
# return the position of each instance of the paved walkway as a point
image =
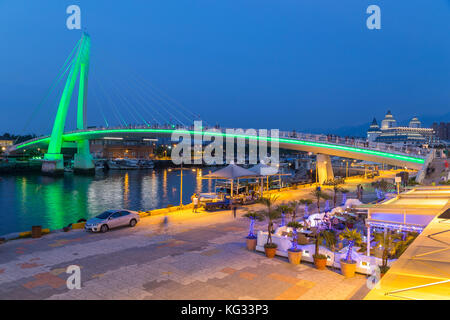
(200, 256)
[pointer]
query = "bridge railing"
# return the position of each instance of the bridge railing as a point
(344, 141)
(360, 143)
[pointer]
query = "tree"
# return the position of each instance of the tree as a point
(270, 213)
(319, 195)
(330, 238)
(383, 185)
(306, 203)
(336, 184)
(353, 237)
(252, 216)
(294, 225)
(284, 208)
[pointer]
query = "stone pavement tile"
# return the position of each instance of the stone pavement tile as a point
(284, 278)
(305, 284)
(211, 252)
(247, 275)
(292, 293)
(228, 270)
(45, 279)
(27, 265)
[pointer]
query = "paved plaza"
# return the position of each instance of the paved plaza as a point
(199, 256)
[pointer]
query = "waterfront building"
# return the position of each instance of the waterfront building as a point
(5, 143)
(442, 130)
(390, 132)
(374, 131)
(114, 147)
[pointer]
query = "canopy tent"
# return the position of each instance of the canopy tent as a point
(231, 172)
(262, 169)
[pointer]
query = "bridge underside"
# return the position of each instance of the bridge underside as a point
(319, 148)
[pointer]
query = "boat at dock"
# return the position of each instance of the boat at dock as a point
(129, 164)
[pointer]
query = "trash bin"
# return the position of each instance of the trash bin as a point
(36, 231)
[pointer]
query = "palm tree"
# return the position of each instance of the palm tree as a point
(336, 184)
(270, 213)
(284, 208)
(318, 195)
(294, 225)
(330, 238)
(383, 185)
(353, 237)
(306, 203)
(252, 216)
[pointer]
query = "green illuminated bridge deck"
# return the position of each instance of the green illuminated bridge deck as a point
(413, 158)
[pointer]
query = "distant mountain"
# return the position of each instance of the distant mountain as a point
(361, 130)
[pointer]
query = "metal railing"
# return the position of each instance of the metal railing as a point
(331, 139)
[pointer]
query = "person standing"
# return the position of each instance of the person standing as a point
(195, 203)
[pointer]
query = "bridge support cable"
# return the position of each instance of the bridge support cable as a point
(144, 104)
(160, 103)
(165, 98)
(131, 74)
(97, 100)
(130, 105)
(115, 108)
(62, 72)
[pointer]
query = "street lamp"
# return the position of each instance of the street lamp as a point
(181, 182)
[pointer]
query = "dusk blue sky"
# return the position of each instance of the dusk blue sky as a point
(284, 64)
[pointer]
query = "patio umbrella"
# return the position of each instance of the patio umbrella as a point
(231, 172)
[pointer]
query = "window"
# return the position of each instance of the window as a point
(116, 215)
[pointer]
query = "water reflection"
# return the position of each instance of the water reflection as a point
(29, 200)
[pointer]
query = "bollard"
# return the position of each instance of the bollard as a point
(36, 231)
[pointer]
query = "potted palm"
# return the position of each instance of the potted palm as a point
(329, 236)
(348, 265)
(294, 253)
(320, 260)
(251, 238)
(284, 209)
(271, 214)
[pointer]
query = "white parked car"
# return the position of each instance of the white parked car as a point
(112, 219)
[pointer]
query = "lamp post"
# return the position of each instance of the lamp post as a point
(181, 182)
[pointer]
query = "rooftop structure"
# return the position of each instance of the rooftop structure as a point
(390, 132)
(422, 271)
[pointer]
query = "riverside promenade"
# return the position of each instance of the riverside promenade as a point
(200, 256)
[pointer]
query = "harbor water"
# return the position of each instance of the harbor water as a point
(32, 199)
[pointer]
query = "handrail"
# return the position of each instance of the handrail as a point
(335, 140)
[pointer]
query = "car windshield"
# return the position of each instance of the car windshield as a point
(105, 214)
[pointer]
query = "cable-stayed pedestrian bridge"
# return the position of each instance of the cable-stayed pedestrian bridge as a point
(77, 68)
(413, 158)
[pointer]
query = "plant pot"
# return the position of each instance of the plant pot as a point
(251, 244)
(295, 256)
(320, 263)
(270, 252)
(348, 268)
